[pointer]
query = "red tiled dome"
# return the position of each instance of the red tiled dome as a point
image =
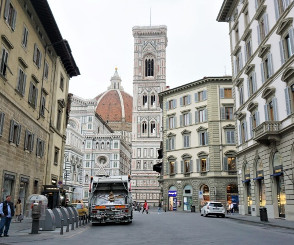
(115, 105)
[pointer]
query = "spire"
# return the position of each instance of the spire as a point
(115, 81)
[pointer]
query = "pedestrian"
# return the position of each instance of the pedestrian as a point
(159, 207)
(6, 212)
(18, 208)
(231, 208)
(145, 207)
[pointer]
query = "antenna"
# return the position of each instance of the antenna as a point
(150, 16)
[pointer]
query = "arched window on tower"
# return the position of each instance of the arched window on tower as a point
(145, 100)
(153, 100)
(152, 128)
(149, 67)
(144, 128)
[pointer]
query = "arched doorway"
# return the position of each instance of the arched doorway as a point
(232, 196)
(187, 196)
(204, 193)
(172, 198)
(279, 184)
(247, 188)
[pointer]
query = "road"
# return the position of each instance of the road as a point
(173, 228)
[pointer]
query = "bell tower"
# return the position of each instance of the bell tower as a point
(149, 79)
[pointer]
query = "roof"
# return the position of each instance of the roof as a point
(225, 10)
(61, 46)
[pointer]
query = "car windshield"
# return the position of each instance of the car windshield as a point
(215, 204)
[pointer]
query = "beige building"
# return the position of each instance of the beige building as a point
(199, 153)
(262, 48)
(35, 67)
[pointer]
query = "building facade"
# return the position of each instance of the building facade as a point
(149, 80)
(104, 151)
(199, 153)
(35, 67)
(262, 48)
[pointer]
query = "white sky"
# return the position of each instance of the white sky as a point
(100, 36)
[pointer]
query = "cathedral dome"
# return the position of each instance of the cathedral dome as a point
(115, 106)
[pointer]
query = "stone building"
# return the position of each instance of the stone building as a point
(199, 153)
(104, 151)
(35, 67)
(149, 79)
(262, 48)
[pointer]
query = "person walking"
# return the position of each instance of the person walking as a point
(159, 207)
(145, 207)
(18, 208)
(6, 212)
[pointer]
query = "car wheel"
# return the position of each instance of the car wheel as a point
(223, 216)
(206, 215)
(217, 215)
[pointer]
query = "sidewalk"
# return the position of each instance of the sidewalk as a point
(280, 222)
(20, 232)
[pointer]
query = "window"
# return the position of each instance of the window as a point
(186, 140)
(40, 148)
(236, 35)
(59, 117)
(33, 95)
(89, 125)
(139, 152)
(145, 100)
(56, 155)
(21, 83)
(149, 67)
(203, 138)
(225, 93)
(251, 84)
(186, 119)
(203, 164)
(138, 165)
(262, 27)
(248, 49)
(266, 67)
(25, 34)
(187, 166)
(46, 70)
(185, 100)
(172, 167)
(10, 14)
(87, 164)
(152, 128)
(171, 122)
(271, 110)
(37, 56)
(43, 105)
(280, 6)
(87, 156)
(201, 115)
(170, 143)
(200, 96)
(115, 145)
(29, 141)
(243, 132)
(2, 117)
(144, 127)
(89, 144)
(230, 136)
(238, 63)
(241, 94)
(61, 82)
(230, 164)
(15, 131)
(153, 100)
(254, 121)
(227, 113)
(289, 97)
(4, 60)
(171, 104)
(287, 45)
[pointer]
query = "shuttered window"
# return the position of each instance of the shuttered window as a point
(14, 132)
(2, 118)
(21, 82)
(10, 14)
(33, 95)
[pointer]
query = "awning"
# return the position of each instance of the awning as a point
(277, 174)
(246, 181)
(258, 178)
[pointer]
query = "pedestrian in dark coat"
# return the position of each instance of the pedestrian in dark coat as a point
(6, 212)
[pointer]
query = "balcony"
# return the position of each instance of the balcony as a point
(267, 132)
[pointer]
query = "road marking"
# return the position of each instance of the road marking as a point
(78, 232)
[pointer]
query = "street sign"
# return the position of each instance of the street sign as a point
(200, 195)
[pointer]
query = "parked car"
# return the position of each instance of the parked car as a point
(82, 209)
(213, 208)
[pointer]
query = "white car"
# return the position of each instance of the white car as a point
(213, 208)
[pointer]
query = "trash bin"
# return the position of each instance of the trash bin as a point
(193, 208)
(263, 214)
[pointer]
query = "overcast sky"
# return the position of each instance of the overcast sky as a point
(100, 36)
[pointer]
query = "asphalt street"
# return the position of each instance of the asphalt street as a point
(170, 228)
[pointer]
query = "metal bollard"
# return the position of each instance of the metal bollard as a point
(83, 219)
(67, 227)
(80, 220)
(73, 223)
(86, 218)
(61, 228)
(77, 223)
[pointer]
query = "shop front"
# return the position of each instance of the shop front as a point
(233, 197)
(260, 185)
(187, 196)
(23, 190)
(172, 199)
